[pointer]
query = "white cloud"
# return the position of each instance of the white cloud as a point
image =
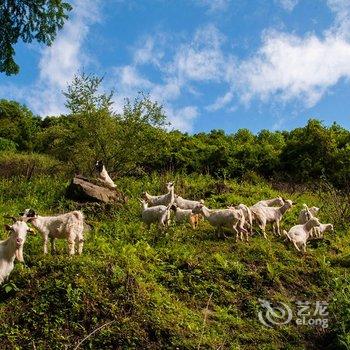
(214, 5)
(149, 52)
(128, 77)
(183, 118)
(201, 59)
(289, 67)
(60, 61)
(288, 5)
(221, 102)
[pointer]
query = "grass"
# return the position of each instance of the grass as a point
(182, 289)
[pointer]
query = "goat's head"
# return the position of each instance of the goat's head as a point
(198, 209)
(99, 166)
(170, 185)
(288, 203)
(330, 227)
(18, 232)
(28, 215)
(314, 222)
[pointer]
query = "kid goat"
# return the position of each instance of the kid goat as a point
(68, 226)
(12, 247)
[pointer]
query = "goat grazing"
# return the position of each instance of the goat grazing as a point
(299, 234)
(68, 226)
(247, 216)
(103, 176)
(323, 228)
(230, 218)
(157, 214)
(273, 215)
(185, 215)
(278, 201)
(12, 247)
(164, 199)
(183, 203)
(307, 213)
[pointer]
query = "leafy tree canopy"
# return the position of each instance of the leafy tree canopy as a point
(27, 21)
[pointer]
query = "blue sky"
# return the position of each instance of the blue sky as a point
(213, 64)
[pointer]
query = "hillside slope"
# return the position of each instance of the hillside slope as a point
(185, 289)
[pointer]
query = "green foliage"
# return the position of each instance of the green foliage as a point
(7, 145)
(18, 124)
(28, 20)
(157, 289)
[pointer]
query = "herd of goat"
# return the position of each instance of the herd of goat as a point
(238, 219)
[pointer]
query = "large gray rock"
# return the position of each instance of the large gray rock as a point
(83, 190)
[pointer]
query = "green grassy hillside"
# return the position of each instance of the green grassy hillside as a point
(183, 289)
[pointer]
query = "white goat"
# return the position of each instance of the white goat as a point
(183, 203)
(103, 176)
(230, 218)
(307, 213)
(273, 215)
(68, 226)
(164, 199)
(323, 228)
(274, 202)
(157, 214)
(299, 234)
(12, 247)
(185, 215)
(247, 216)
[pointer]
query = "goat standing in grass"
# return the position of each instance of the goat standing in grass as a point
(103, 176)
(183, 203)
(300, 234)
(164, 199)
(12, 247)
(185, 216)
(68, 226)
(159, 214)
(273, 215)
(232, 219)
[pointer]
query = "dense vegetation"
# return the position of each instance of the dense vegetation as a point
(185, 288)
(92, 130)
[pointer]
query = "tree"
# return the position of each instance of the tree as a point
(18, 124)
(28, 20)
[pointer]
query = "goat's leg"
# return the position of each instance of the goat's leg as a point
(80, 242)
(235, 231)
(71, 245)
(296, 246)
(304, 247)
(278, 228)
(263, 229)
(46, 241)
(53, 245)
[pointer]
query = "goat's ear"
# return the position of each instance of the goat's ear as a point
(8, 227)
(201, 201)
